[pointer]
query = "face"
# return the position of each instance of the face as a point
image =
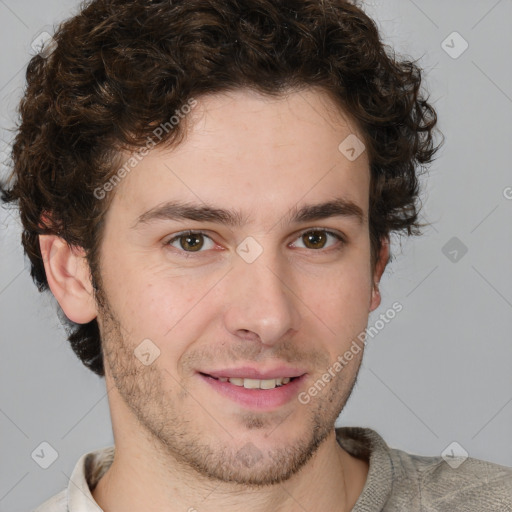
(219, 260)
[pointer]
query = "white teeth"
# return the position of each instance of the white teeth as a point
(269, 384)
(252, 383)
(257, 384)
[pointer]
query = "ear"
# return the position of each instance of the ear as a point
(68, 275)
(380, 266)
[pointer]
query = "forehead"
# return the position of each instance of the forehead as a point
(254, 153)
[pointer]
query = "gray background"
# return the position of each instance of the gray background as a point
(437, 373)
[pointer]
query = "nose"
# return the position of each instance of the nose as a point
(261, 302)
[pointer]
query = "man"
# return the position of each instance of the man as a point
(208, 189)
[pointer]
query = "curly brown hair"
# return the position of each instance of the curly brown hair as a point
(119, 68)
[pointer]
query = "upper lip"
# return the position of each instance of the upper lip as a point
(254, 373)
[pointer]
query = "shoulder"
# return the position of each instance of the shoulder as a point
(473, 485)
(57, 503)
(402, 481)
(88, 470)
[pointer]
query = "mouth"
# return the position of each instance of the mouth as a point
(248, 383)
(256, 394)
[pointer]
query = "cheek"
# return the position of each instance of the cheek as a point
(341, 297)
(165, 307)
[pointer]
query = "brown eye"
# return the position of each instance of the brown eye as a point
(320, 239)
(191, 242)
(314, 239)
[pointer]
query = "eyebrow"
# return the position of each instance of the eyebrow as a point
(175, 210)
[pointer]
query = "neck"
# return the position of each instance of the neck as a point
(142, 479)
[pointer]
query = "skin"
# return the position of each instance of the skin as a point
(178, 441)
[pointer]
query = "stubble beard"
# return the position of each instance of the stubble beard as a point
(165, 412)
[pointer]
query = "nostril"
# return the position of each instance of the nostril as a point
(249, 335)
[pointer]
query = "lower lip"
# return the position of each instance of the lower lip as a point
(262, 399)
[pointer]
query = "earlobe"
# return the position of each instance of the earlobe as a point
(375, 302)
(380, 266)
(68, 275)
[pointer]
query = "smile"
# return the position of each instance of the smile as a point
(260, 394)
(255, 383)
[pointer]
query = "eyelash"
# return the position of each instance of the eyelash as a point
(187, 254)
